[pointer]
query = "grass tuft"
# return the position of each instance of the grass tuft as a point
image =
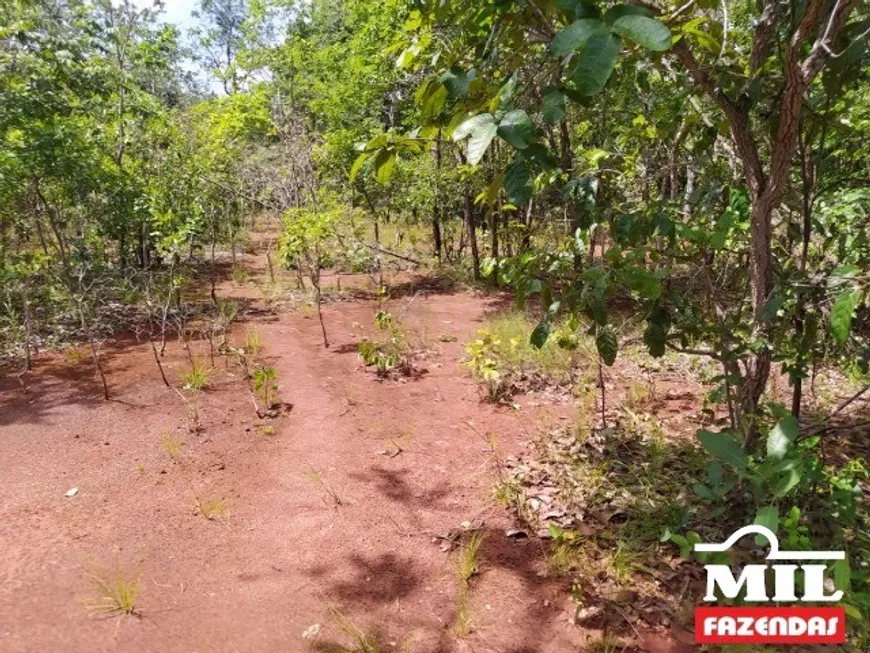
(361, 641)
(466, 569)
(211, 509)
(117, 592)
(171, 445)
(253, 342)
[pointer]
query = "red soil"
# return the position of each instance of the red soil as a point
(285, 552)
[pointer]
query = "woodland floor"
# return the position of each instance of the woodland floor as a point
(285, 551)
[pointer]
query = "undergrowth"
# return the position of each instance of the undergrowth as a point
(623, 507)
(389, 350)
(505, 361)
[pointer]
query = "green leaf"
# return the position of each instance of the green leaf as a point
(643, 283)
(518, 182)
(724, 447)
(479, 143)
(575, 35)
(767, 516)
(540, 157)
(553, 105)
(517, 129)
(457, 81)
(852, 612)
(703, 491)
(357, 164)
(785, 483)
(771, 307)
(841, 315)
(541, 333)
(595, 62)
(607, 344)
(714, 473)
(469, 126)
(384, 163)
(655, 336)
(618, 11)
(782, 437)
(434, 100)
(645, 31)
(577, 8)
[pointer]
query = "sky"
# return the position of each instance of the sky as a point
(178, 12)
(175, 11)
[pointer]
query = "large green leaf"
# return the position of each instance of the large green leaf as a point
(595, 62)
(433, 100)
(645, 31)
(457, 81)
(575, 35)
(470, 125)
(479, 142)
(518, 182)
(607, 344)
(767, 516)
(724, 447)
(841, 315)
(517, 129)
(384, 163)
(357, 165)
(553, 105)
(781, 437)
(482, 129)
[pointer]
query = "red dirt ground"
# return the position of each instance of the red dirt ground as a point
(284, 553)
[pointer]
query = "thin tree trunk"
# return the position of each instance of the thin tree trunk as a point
(807, 187)
(436, 209)
(527, 233)
(95, 352)
(472, 235)
(157, 360)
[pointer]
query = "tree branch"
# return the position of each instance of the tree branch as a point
(798, 76)
(738, 117)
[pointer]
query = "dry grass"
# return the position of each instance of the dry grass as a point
(361, 641)
(117, 592)
(171, 445)
(211, 509)
(466, 569)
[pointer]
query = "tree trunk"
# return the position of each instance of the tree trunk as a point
(436, 235)
(436, 209)
(761, 280)
(472, 235)
(807, 189)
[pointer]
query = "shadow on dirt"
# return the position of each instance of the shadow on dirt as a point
(387, 578)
